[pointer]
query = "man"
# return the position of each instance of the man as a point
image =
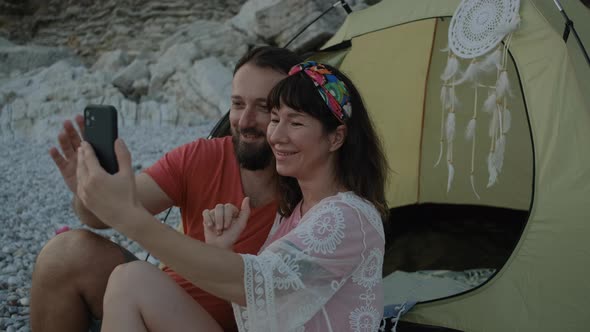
(72, 270)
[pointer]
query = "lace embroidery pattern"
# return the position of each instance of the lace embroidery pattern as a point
(364, 319)
(287, 273)
(366, 209)
(369, 273)
(323, 231)
(303, 274)
(260, 296)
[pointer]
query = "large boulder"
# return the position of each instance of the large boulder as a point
(200, 93)
(280, 22)
(37, 102)
(176, 58)
(245, 20)
(26, 58)
(132, 81)
(211, 39)
(111, 62)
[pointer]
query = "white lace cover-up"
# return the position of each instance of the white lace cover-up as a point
(317, 273)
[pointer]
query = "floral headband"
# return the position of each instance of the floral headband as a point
(332, 90)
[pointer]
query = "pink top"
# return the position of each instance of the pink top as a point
(318, 273)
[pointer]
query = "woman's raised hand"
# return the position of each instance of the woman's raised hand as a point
(111, 198)
(224, 224)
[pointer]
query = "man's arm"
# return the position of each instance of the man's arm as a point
(151, 196)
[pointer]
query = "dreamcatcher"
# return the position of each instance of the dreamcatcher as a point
(476, 32)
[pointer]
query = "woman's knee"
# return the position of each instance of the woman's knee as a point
(129, 279)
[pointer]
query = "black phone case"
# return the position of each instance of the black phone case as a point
(100, 130)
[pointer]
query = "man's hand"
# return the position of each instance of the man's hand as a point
(224, 224)
(69, 142)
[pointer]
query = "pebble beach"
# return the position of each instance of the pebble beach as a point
(35, 203)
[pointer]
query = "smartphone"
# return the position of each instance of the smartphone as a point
(100, 130)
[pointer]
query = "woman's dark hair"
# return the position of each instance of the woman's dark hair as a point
(279, 59)
(361, 165)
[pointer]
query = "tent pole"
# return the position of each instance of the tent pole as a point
(342, 3)
(569, 26)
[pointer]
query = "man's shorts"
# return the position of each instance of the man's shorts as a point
(95, 324)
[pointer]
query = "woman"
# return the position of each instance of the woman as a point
(320, 269)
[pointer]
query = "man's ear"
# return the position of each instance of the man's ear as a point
(337, 137)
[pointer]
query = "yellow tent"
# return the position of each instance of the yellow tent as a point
(392, 52)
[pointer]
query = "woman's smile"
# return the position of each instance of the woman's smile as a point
(283, 155)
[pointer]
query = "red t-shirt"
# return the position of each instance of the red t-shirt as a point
(198, 176)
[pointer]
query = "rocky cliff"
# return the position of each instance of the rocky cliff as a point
(162, 63)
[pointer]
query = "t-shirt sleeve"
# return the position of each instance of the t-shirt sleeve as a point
(295, 276)
(171, 170)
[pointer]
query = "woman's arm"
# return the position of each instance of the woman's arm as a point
(114, 200)
(215, 270)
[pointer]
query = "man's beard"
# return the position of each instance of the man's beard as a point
(251, 156)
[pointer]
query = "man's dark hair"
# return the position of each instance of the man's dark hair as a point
(279, 59)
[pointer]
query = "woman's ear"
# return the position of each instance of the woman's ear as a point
(337, 137)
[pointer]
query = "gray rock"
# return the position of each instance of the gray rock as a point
(5, 42)
(216, 39)
(214, 82)
(13, 280)
(111, 62)
(124, 80)
(270, 23)
(245, 20)
(177, 57)
(26, 58)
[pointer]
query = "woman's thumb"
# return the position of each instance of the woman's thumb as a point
(245, 210)
(123, 156)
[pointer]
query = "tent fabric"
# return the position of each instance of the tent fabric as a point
(543, 286)
(398, 117)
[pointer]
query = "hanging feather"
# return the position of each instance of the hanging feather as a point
(502, 85)
(451, 69)
(472, 178)
(493, 124)
(493, 61)
(444, 95)
(448, 97)
(450, 152)
(507, 120)
(446, 49)
(490, 104)
(499, 153)
(471, 74)
(444, 98)
(440, 153)
(450, 167)
(451, 175)
(491, 169)
(450, 126)
(470, 131)
(452, 101)
(508, 28)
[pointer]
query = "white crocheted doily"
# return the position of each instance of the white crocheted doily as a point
(475, 26)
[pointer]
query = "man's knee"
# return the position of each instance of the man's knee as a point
(75, 251)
